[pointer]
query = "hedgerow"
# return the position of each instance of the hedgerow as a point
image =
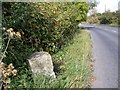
(43, 27)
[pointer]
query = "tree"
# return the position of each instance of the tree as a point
(109, 17)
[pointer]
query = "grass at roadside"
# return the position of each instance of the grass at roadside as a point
(76, 65)
(114, 25)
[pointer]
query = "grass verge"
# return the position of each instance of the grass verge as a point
(114, 25)
(74, 65)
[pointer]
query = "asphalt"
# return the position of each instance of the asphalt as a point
(105, 54)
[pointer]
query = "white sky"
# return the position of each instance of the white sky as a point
(111, 5)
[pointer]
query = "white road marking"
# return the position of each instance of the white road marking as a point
(110, 30)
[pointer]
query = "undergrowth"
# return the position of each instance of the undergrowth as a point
(74, 65)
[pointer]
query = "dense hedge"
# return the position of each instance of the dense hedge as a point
(43, 26)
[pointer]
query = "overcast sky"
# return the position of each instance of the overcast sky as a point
(112, 5)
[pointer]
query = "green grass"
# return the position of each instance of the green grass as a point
(76, 69)
(72, 65)
(114, 25)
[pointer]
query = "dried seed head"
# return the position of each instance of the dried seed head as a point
(14, 33)
(8, 70)
(6, 80)
(14, 72)
(5, 74)
(1, 64)
(1, 68)
(9, 30)
(18, 34)
(10, 66)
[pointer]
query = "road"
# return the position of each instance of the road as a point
(105, 54)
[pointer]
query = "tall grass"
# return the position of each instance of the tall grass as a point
(77, 69)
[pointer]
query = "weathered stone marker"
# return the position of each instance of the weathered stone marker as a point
(41, 63)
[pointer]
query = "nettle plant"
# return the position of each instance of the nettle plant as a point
(8, 71)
